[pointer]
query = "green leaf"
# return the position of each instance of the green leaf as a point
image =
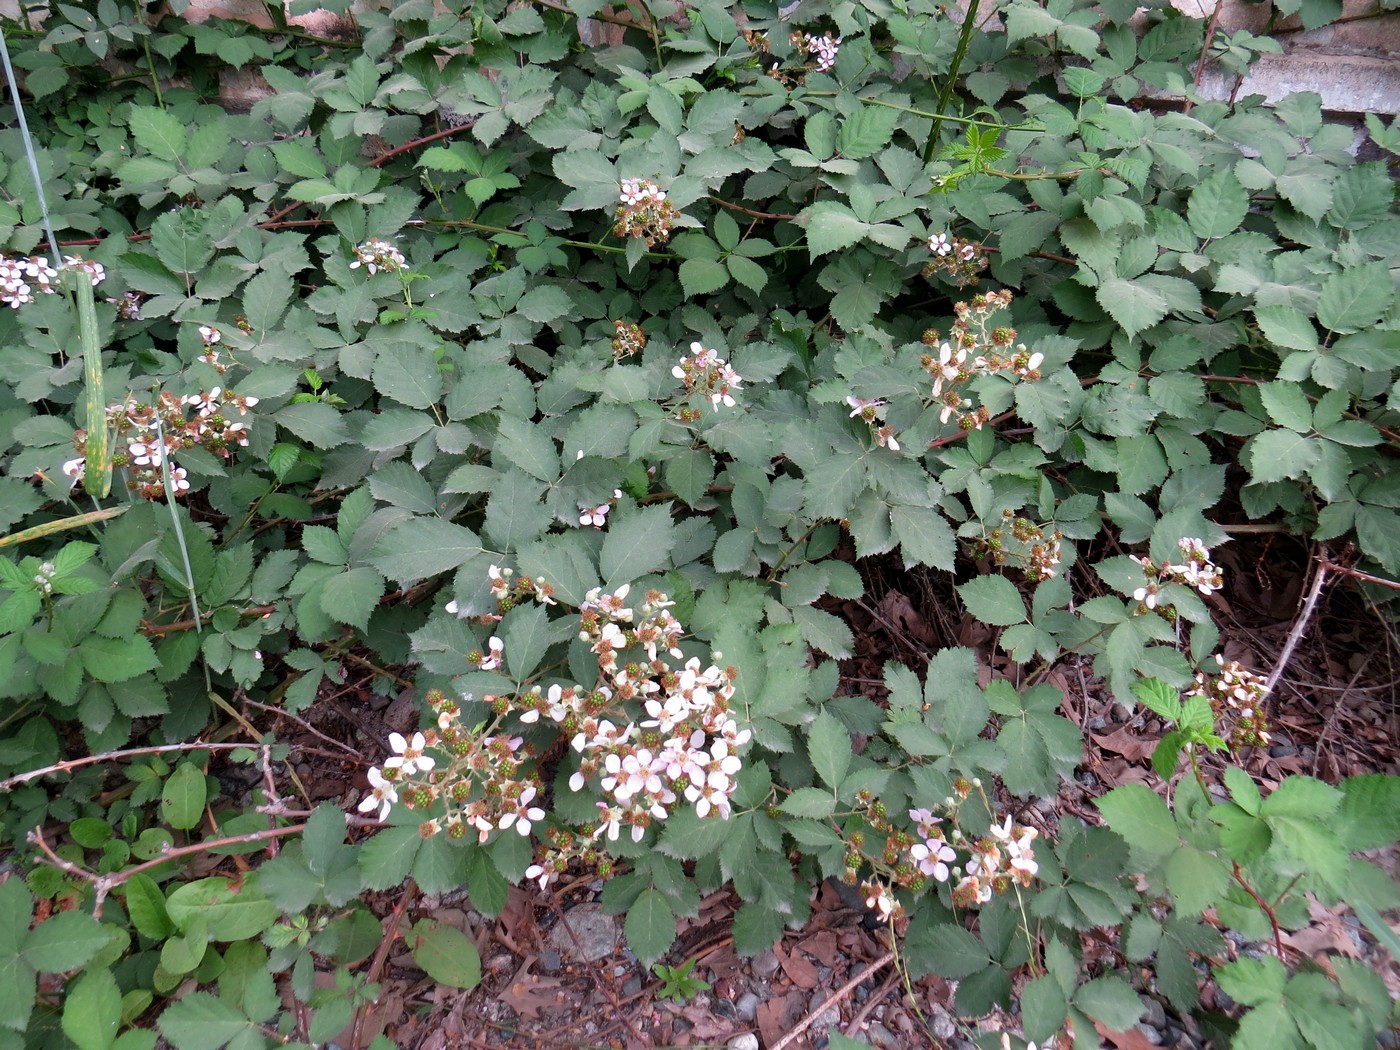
(1356, 297)
(832, 227)
(1110, 1000)
(445, 954)
(947, 950)
(1217, 206)
(702, 276)
(145, 903)
(810, 802)
(1136, 813)
(386, 858)
(1253, 981)
(925, 537)
(1278, 454)
(1370, 812)
(1197, 879)
(92, 1010)
(866, 131)
(414, 550)
(159, 132)
(1287, 406)
(409, 375)
(1043, 1008)
(637, 542)
(352, 596)
(993, 600)
(200, 1021)
(829, 746)
(1134, 306)
(117, 659)
(1287, 326)
(182, 800)
(650, 927)
(65, 942)
(232, 911)
(527, 447)
(525, 632)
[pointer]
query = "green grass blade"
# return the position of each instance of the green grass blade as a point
(77, 521)
(97, 478)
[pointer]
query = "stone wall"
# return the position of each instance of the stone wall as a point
(1354, 64)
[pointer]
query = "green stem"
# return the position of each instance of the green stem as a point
(151, 65)
(945, 93)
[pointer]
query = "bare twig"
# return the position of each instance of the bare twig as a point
(1346, 570)
(305, 725)
(102, 885)
(831, 1000)
(111, 756)
(873, 1000)
(376, 966)
(1300, 625)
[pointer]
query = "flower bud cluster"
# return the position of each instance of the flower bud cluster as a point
(644, 212)
(43, 579)
(651, 732)
(1021, 540)
(1197, 571)
(975, 347)
(375, 255)
(147, 435)
(962, 260)
(630, 340)
(705, 372)
(1236, 695)
(24, 278)
(873, 412)
(1002, 859)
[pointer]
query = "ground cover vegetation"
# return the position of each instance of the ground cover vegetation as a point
(566, 386)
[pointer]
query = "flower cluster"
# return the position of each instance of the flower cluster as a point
(651, 731)
(598, 516)
(149, 434)
(873, 412)
(1196, 571)
(975, 347)
(704, 371)
(959, 259)
(644, 212)
(1021, 540)
(210, 338)
(1003, 858)
(375, 255)
(1236, 695)
(23, 278)
(43, 578)
(629, 340)
(823, 48)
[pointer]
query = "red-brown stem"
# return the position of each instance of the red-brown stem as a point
(380, 956)
(407, 147)
(1268, 909)
(111, 756)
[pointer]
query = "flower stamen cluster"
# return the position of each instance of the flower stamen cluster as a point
(1197, 572)
(873, 411)
(974, 348)
(962, 260)
(629, 341)
(1019, 539)
(1002, 859)
(148, 435)
(375, 255)
(644, 212)
(1236, 695)
(708, 374)
(824, 48)
(651, 732)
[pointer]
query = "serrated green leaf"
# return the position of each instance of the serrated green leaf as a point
(414, 550)
(925, 537)
(159, 132)
(637, 543)
(1356, 297)
(866, 132)
(832, 227)
(182, 800)
(92, 1010)
(1110, 1000)
(64, 942)
(650, 927)
(1136, 813)
(1217, 206)
(947, 950)
(1133, 305)
(829, 746)
(993, 600)
(200, 1021)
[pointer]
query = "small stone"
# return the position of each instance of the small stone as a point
(881, 1038)
(744, 1041)
(746, 1006)
(1390, 1039)
(1282, 752)
(828, 1017)
(596, 931)
(1151, 1034)
(942, 1024)
(632, 985)
(1097, 722)
(550, 961)
(765, 965)
(1153, 1014)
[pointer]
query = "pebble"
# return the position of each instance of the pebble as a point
(1152, 1035)
(1282, 752)
(828, 1017)
(746, 1006)
(1097, 722)
(942, 1024)
(1389, 1039)
(881, 1038)
(632, 985)
(596, 931)
(745, 1041)
(551, 961)
(1154, 1015)
(765, 965)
